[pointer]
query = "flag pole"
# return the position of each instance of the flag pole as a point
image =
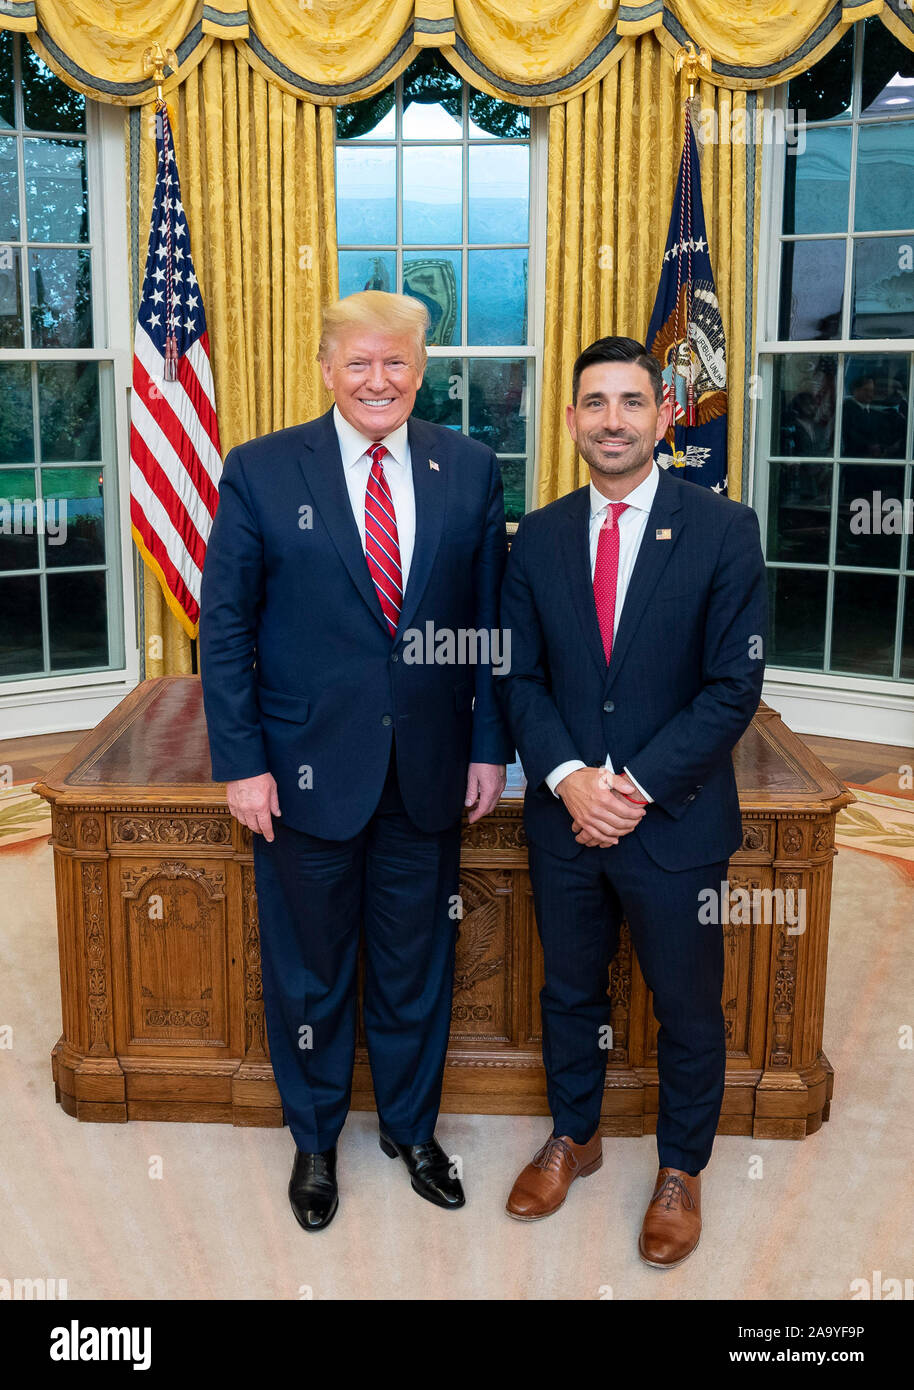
(691, 59)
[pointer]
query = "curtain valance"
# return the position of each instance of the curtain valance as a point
(536, 52)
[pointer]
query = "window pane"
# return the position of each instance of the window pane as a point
(56, 192)
(797, 617)
(885, 177)
(19, 522)
(61, 290)
(440, 397)
(824, 91)
(812, 289)
(817, 183)
(12, 324)
(16, 442)
(434, 278)
(432, 100)
(514, 480)
(883, 304)
(875, 408)
(48, 103)
(498, 403)
(803, 415)
(499, 193)
(68, 411)
(77, 620)
(489, 116)
(20, 625)
(9, 189)
(367, 270)
(888, 72)
(74, 505)
(366, 197)
(432, 194)
(497, 297)
(863, 624)
(799, 511)
(869, 522)
(907, 633)
(6, 79)
(374, 118)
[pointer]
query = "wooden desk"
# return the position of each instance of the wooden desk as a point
(160, 955)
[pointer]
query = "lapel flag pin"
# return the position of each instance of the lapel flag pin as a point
(433, 464)
(664, 535)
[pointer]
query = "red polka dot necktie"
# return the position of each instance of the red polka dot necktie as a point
(382, 547)
(606, 574)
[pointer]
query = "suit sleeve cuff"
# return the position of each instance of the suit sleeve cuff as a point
(563, 769)
(646, 796)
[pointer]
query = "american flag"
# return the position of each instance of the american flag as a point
(175, 458)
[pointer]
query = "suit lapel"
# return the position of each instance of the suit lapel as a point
(430, 491)
(653, 557)
(575, 544)
(322, 466)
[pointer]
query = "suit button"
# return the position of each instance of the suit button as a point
(386, 719)
(608, 707)
(394, 656)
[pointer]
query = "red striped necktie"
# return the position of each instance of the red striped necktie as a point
(382, 547)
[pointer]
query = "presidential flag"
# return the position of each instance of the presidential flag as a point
(686, 335)
(175, 458)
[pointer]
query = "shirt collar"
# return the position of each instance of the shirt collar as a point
(354, 445)
(641, 497)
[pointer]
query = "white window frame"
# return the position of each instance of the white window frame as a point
(536, 279)
(55, 704)
(869, 709)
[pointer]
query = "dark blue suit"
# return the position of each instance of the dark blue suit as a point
(369, 752)
(682, 685)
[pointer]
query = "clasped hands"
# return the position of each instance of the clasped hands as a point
(596, 800)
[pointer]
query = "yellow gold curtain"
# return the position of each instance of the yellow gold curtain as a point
(256, 170)
(539, 52)
(613, 159)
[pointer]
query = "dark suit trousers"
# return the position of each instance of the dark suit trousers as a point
(579, 906)
(397, 883)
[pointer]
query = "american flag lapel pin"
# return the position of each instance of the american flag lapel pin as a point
(433, 464)
(663, 534)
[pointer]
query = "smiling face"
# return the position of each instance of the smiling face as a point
(615, 423)
(374, 378)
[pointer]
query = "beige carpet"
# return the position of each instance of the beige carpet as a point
(78, 1202)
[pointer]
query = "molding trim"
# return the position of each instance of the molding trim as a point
(843, 713)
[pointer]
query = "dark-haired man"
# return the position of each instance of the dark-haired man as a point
(637, 610)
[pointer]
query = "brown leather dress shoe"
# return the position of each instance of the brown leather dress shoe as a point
(672, 1223)
(543, 1185)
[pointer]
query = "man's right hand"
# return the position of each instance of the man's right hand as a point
(251, 800)
(600, 815)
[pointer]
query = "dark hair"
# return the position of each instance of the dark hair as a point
(618, 350)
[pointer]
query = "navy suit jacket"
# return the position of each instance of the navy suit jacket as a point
(300, 675)
(684, 678)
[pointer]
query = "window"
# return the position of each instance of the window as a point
(834, 423)
(435, 198)
(63, 570)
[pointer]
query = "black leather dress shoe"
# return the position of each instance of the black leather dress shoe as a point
(429, 1170)
(312, 1189)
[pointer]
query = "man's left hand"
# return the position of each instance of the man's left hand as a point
(485, 784)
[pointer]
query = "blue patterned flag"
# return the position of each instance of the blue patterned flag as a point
(686, 335)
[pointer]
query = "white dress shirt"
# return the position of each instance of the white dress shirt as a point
(631, 523)
(398, 471)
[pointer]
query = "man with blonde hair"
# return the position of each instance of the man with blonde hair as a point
(350, 761)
